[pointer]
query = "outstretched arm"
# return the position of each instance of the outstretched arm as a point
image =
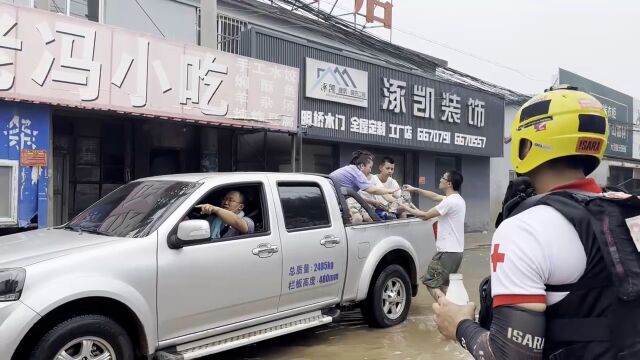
(424, 215)
(426, 193)
(228, 217)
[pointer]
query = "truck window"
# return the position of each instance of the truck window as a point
(133, 210)
(246, 198)
(303, 205)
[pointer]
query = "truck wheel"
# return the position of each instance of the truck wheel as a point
(389, 298)
(85, 337)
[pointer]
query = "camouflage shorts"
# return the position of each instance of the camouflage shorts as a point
(442, 264)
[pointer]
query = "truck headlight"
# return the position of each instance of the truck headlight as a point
(11, 284)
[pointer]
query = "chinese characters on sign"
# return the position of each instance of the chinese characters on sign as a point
(82, 37)
(372, 5)
(306, 275)
(619, 132)
(365, 126)
(33, 157)
(7, 23)
(20, 134)
(414, 112)
(620, 138)
(319, 120)
(73, 62)
(618, 106)
(424, 106)
(475, 113)
(139, 97)
(423, 102)
(611, 111)
(450, 108)
(405, 109)
(393, 92)
(24, 138)
(190, 84)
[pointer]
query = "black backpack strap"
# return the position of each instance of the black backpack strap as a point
(521, 203)
(571, 204)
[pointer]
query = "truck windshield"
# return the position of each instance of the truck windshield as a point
(134, 209)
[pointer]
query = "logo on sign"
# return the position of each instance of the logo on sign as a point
(338, 77)
(589, 145)
(336, 83)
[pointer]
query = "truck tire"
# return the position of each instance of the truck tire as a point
(83, 335)
(389, 298)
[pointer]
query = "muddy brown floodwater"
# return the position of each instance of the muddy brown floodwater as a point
(415, 339)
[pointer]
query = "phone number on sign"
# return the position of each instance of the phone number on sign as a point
(470, 140)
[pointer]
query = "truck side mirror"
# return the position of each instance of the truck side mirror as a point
(191, 232)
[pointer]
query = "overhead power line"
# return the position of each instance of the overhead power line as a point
(340, 30)
(150, 18)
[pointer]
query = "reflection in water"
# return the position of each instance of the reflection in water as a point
(415, 339)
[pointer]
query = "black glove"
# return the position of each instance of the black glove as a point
(519, 189)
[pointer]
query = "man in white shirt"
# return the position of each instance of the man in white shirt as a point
(450, 236)
(384, 204)
(387, 168)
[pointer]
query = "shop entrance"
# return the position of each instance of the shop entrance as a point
(94, 154)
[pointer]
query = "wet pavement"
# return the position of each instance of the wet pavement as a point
(415, 339)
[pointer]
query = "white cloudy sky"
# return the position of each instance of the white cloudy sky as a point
(597, 39)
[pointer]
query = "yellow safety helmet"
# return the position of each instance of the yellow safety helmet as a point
(558, 123)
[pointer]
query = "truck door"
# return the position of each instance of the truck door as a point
(226, 280)
(313, 241)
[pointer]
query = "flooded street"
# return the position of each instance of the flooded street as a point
(415, 339)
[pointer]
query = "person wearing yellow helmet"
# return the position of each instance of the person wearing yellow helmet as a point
(547, 276)
(560, 127)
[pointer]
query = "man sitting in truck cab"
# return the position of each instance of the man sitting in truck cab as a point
(228, 219)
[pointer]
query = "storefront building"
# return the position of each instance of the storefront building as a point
(87, 107)
(427, 126)
(621, 164)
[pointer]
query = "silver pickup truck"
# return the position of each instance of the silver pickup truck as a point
(138, 275)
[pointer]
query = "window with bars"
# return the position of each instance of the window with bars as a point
(85, 9)
(229, 30)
